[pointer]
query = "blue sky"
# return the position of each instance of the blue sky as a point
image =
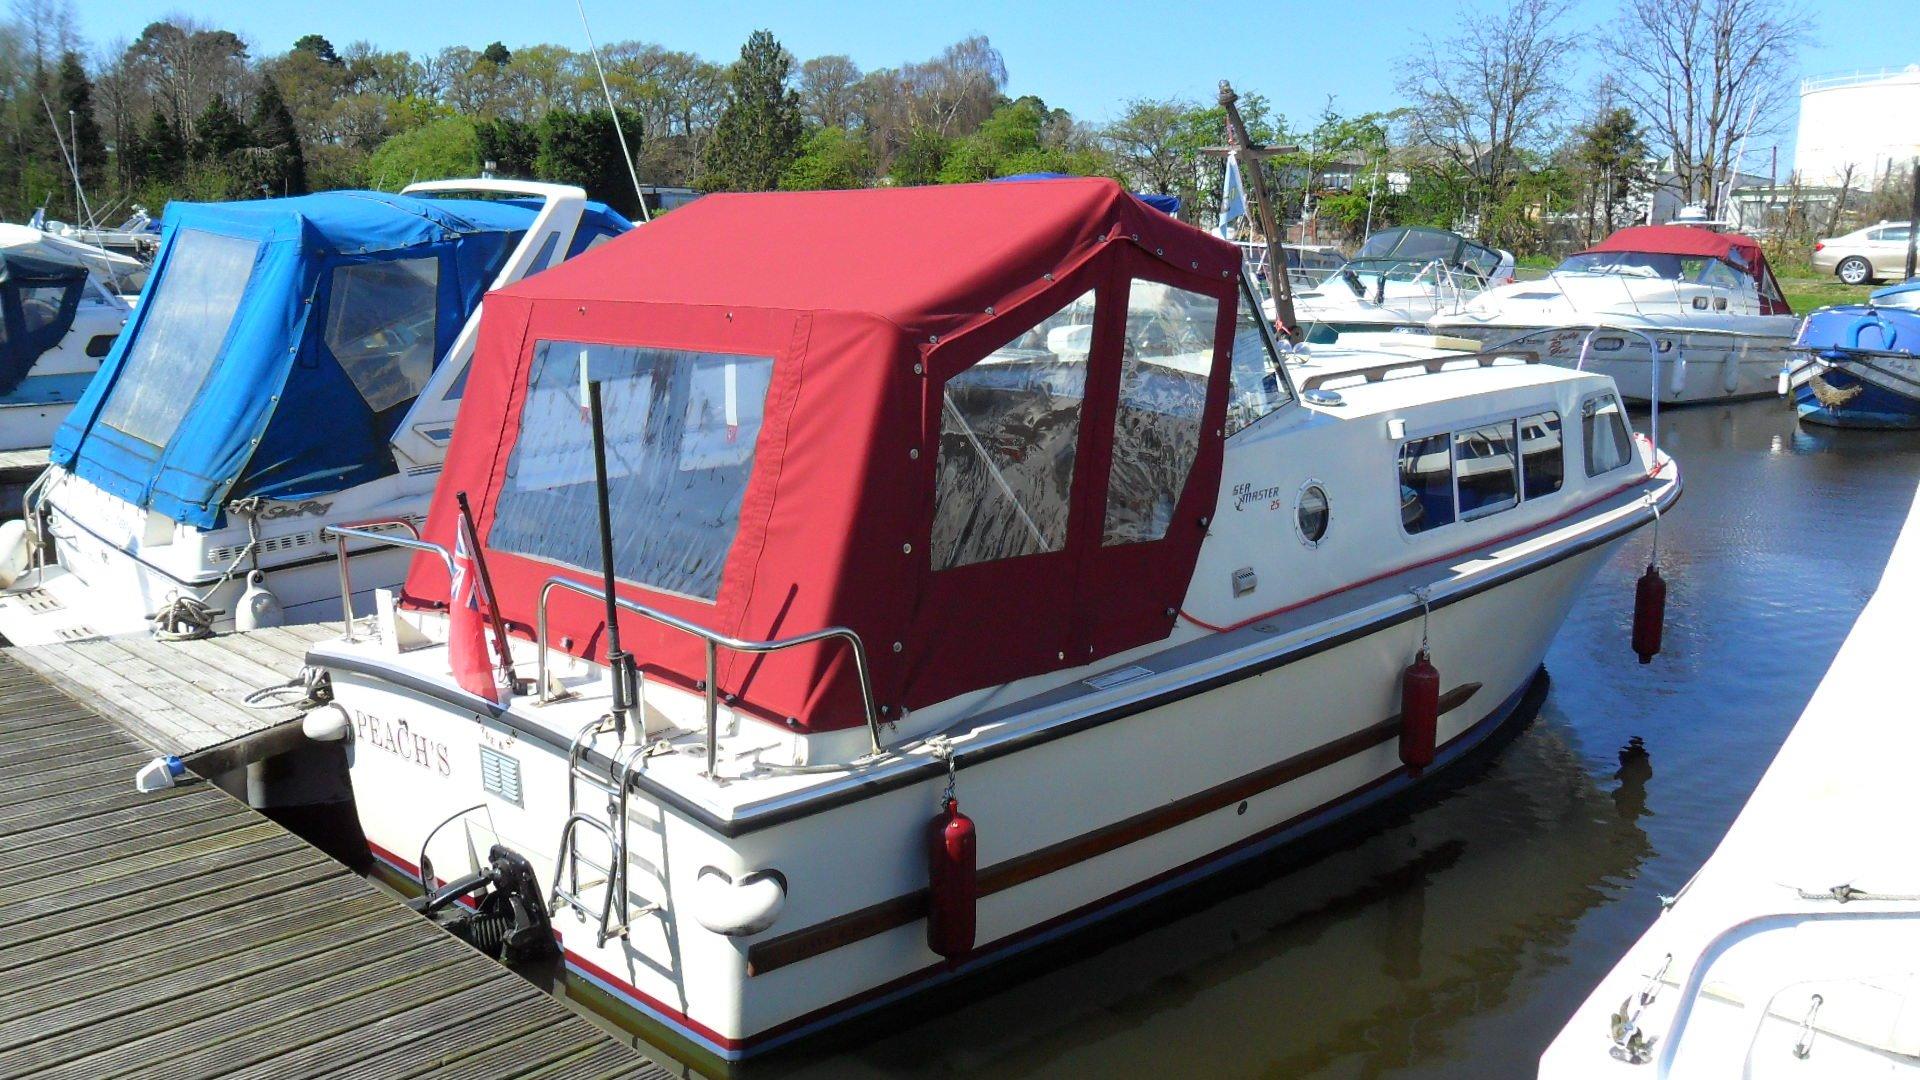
(1088, 57)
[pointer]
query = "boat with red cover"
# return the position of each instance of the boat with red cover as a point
(983, 570)
(1677, 312)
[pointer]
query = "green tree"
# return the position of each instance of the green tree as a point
(1021, 136)
(497, 54)
(320, 48)
(583, 148)
(1611, 151)
(162, 149)
(512, 145)
(759, 131)
(440, 149)
(920, 159)
(832, 158)
(219, 131)
(285, 170)
(73, 105)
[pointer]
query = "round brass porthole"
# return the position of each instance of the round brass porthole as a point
(1311, 513)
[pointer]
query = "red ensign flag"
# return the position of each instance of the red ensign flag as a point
(467, 626)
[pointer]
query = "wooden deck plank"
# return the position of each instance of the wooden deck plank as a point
(180, 934)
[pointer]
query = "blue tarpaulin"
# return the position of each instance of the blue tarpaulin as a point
(1166, 204)
(280, 343)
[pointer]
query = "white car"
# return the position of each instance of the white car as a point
(1863, 256)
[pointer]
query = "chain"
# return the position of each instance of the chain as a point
(942, 748)
(1423, 594)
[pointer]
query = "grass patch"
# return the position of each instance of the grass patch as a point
(1808, 293)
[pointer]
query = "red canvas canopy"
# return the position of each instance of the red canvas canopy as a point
(1741, 251)
(857, 314)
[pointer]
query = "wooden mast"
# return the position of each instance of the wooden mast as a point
(1240, 146)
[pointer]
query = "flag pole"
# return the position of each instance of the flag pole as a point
(504, 654)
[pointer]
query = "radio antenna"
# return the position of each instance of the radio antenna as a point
(626, 152)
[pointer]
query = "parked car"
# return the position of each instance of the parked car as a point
(1864, 256)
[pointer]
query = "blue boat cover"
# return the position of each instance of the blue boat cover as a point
(38, 298)
(1900, 294)
(1836, 332)
(236, 391)
(1166, 204)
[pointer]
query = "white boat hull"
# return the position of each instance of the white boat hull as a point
(1257, 748)
(1696, 367)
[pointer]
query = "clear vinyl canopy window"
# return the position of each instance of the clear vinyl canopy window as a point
(681, 431)
(1164, 367)
(1257, 387)
(41, 305)
(1009, 432)
(381, 318)
(188, 312)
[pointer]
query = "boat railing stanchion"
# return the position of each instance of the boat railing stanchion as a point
(714, 642)
(368, 530)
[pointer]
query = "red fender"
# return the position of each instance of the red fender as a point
(1419, 713)
(953, 883)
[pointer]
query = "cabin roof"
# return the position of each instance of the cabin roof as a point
(796, 354)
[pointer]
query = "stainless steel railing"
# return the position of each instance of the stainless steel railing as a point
(365, 530)
(713, 642)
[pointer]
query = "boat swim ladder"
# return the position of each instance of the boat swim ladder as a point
(615, 786)
(613, 912)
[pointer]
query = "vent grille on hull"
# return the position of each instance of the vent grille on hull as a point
(500, 775)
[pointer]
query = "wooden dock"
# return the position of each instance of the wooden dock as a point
(183, 935)
(181, 697)
(18, 468)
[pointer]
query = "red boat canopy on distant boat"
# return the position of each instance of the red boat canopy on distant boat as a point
(1740, 251)
(979, 425)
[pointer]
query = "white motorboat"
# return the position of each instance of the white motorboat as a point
(62, 305)
(1400, 278)
(1791, 952)
(978, 584)
(293, 363)
(1700, 306)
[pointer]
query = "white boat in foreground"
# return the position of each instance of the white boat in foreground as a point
(1699, 308)
(982, 583)
(294, 363)
(1795, 951)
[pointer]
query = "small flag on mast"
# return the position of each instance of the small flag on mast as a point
(467, 654)
(1233, 197)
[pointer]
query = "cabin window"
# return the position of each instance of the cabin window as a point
(1604, 430)
(1257, 385)
(1543, 459)
(180, 336)
(1164, 366)
(1426, 483)
(381, 318)
(681, 431)
(1487, 470)
(40, 306)
(1009, 431)
(100, 345)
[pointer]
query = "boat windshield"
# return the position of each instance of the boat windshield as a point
(1699, 269)
(1401, 254)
